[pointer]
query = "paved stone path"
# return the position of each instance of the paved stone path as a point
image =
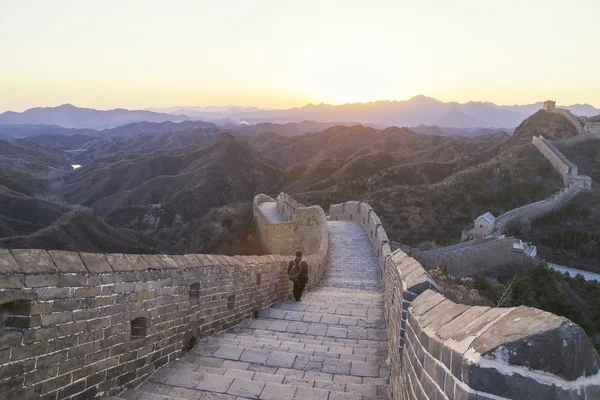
(269, 209)
(330, 346)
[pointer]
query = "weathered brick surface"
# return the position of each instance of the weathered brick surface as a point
(442, 350)
(70, 313)
(67, 325)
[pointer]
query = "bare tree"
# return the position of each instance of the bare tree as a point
(507, 293)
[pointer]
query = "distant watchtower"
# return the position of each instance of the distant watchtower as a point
(549, 105)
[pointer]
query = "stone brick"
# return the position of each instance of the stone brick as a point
(17, 369)
(29, 351)
(72, 280)
(68, 261)
(52, 293)
(119, 262)
(34, 261)
(11, 281)
(246, 388)
(87, 292)
(137, 262)
(8, 264)
(491, 381)
(71, 389)
(214, 383)
(41, 375)
(96, 263)
(51, 359)
(193, 260)
(35, 281)
(56, 318)
(540, 341)
(124, 287)
(275, 391)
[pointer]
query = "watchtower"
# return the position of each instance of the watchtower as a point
(549, 105)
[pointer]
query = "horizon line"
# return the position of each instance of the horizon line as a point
(157, 108)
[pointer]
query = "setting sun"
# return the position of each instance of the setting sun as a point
(276, 54)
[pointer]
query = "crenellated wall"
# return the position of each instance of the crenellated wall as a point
(534, 210)
(570, 117)
(305, 228)
(442, 350)
(80, 325)
(288, 206)
(472, 257)
(555, 157)
(592, 127)
(363, 213)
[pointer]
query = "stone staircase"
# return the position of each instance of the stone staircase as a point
(330, 346)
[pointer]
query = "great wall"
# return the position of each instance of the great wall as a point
(481, 250)
(582, 124)
(373, 325)
(81, 325)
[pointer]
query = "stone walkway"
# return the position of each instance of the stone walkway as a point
(269, 209)
(330, 346)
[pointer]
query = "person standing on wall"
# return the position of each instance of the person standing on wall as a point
(298, 273)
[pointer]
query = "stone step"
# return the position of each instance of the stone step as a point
(351, 284)
(316, 318)
(249, 337)
(140, 394)
(319, 340)
(361, 309)
(235, 356)
(190, 381)
(317, 329)
(267, 373)
(253, 347)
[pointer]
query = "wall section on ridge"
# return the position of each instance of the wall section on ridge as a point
(305, 228)
(534, 210)
(472, 257)
(80, 325)
(442, 350)
(362, 212)
(555, 157)
(570, 117)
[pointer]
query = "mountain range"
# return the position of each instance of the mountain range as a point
(69, 116)
(419, 110)
(415, 111)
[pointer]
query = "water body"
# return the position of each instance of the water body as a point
(588, 276)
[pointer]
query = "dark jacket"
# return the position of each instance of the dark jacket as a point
(303, 270)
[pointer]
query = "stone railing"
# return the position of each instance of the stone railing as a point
(83, 325)
(442, 350)
(363, 213)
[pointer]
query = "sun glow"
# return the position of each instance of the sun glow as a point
(282, 54)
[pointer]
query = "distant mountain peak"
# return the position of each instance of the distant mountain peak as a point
(65, 106)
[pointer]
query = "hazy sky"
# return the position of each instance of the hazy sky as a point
(138, 54)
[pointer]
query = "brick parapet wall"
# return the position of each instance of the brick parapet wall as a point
(471, 257)
(68, 317)
(442, 350)
(288, 206)
(306, 231)
(363, 213)
(534, 210)
(554, 156)
(570, 117)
